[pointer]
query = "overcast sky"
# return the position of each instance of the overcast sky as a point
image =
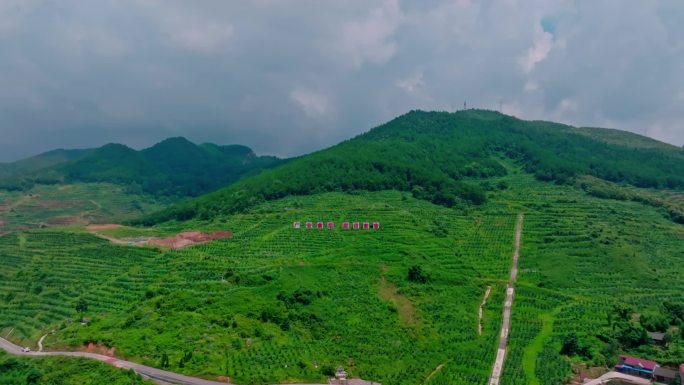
(287, 77)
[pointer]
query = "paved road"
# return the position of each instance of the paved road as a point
(618, 376)
(497, 369)
(162, 377)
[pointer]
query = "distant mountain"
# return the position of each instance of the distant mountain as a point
(445, 158)
(174, 166)
(41, 161)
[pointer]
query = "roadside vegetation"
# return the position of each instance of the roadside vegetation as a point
(62, 371)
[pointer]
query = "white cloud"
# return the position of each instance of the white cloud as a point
(531, 86)
(204, 38)
(668, 131)
(412, 83)
(370, 40)
(224, 71)
(541, 47)
(314, 104)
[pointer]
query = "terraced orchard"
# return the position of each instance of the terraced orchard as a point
(274, 303)
(398, 305)
(73, 204)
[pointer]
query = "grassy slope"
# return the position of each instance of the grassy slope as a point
(78, 203)
(580, 255)
(627, 139)
(44, 160)
(191, 291)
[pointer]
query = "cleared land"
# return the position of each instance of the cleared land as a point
(72, 204)
(175, 242)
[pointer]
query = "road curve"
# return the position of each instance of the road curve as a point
(618, 376)
(162, 377)
(497, 369)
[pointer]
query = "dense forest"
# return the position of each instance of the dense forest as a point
(443, 157)
(173, 167)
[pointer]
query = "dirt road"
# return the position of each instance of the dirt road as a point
(497, 369)
(482, 305)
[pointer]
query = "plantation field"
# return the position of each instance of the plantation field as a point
(72, 204)
(276, 304)
(580, 257)
(345, 297)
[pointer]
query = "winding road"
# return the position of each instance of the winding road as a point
(497, 369)
(161, 377)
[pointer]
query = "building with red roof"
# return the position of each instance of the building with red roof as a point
(636, 366)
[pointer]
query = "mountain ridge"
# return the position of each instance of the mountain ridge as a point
(443, 158)
(174, 166)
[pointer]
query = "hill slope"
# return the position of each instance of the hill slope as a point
(174, 166)
(441, 157)
(275, 304)
(47, 159)
(399, 304)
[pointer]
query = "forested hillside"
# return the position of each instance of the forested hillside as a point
(15, 171)
(442, 157)
(173, 167)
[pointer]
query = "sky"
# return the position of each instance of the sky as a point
(287, 77)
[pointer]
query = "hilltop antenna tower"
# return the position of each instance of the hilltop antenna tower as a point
(500, 105)
(464, 105)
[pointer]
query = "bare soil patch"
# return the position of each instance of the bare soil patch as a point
(98, 349)
(65, 220)
(106, 226)
(582, 372)
(405, 309)
(189, 238)
(175, 242)
(482, 305)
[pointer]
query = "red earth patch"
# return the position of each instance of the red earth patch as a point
(99, 349)
(189, 238)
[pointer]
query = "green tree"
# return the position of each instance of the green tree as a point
(632, 335)
(33, 377)
(416, 274)
(82, 306)
(164, 360)
(571, 344)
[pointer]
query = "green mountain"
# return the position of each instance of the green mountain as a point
(38, 162)
(174, 166)
(419, 300)
(444, 157)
